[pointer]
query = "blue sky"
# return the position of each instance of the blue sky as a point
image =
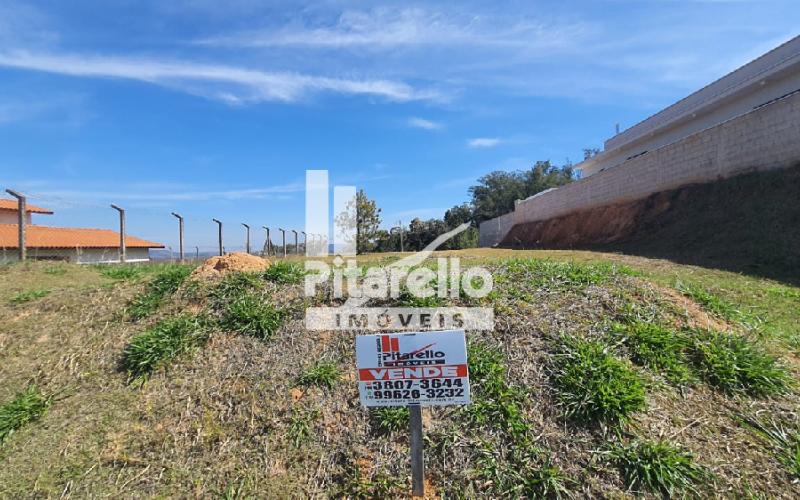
(215, 109)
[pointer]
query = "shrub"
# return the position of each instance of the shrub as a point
(656, 347)
(734, 364)
(285, 272)
(322, 374)
(162, 343)
(659, 467)
(28, 295)
(251, 315)
(25, 407)
(594, 386)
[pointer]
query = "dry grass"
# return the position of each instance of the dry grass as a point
(230, 419)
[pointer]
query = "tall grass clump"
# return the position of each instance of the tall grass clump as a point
(234, 286)
(25, 407)
(285, 272)
(165, 283)
(251, 315)
(734, 364)
(659, 467)
(594, 386)
(161, 344)
(656, 347)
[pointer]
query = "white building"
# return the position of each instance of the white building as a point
(77, 245)
(748, 120)
(772, 76)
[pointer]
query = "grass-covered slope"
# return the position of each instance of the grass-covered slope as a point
(604, 375)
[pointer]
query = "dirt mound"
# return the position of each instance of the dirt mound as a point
(233, 262)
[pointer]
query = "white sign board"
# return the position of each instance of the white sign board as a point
(399, 369)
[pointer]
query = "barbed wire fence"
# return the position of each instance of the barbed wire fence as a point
(263, 239)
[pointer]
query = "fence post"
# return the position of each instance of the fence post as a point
(266, 243)
(296, 245)
(180, 234)
(247, 240)
(221, 248)
(22, 208)
(283, 240)
(122, 251)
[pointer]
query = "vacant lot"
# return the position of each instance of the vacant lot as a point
(606, 375)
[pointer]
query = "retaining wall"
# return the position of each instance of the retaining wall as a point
(762, 139)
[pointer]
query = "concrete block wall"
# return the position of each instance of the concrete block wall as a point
(762, 139)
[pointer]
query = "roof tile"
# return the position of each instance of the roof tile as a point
(68, 237)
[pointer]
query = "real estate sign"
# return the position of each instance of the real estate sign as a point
(402, 369)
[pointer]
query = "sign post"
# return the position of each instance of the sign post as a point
(413, 370)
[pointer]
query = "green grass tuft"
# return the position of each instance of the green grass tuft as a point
(162, 343)
(285, 272)
(561, 275)
(251, 315)
(657, 348)
(734, 364)
(520, 472)
(28, 295)
(26, 406)
(495, 402)
(234, 286)
(594, 386)
(56, 270)
(300, 424)
(165, 283)
(389, 419)
(122, 272)
(323, 374)
(659, 467)
(710, 302)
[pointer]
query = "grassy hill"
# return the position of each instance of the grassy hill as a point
(606, 375)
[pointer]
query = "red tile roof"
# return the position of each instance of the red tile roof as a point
(68, 237)
(12, 205)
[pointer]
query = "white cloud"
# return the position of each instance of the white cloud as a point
(385, 28)
(150, 194)
(227, 83)
(484, 142)
(424, 124)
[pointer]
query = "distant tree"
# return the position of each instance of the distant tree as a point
(590, 153)
(496, 192)
(368, 220)
(458, 215)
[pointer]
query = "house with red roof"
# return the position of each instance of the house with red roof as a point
(69, 244)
